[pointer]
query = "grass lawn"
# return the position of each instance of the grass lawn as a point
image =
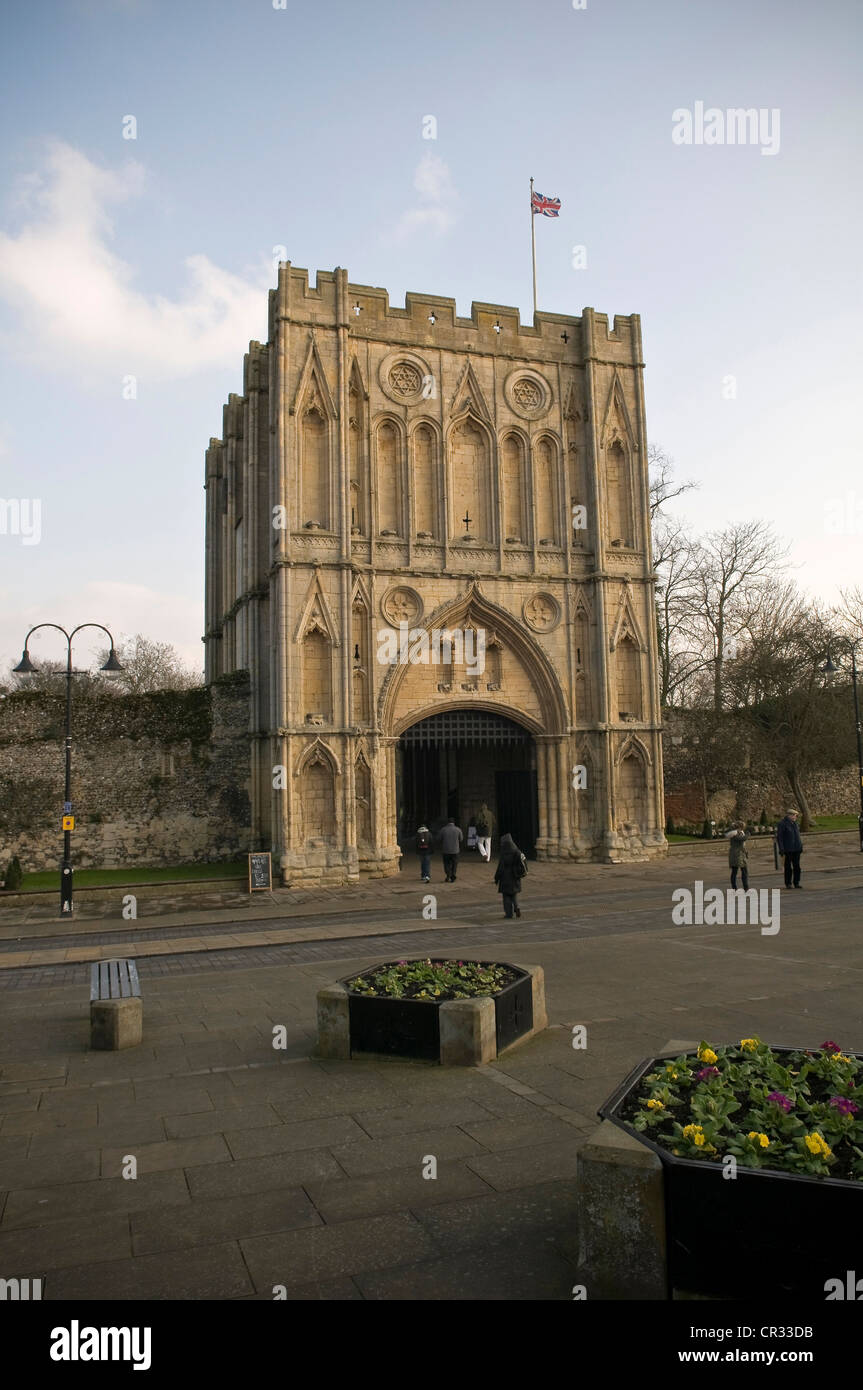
(104, 878)
(821, 823)
(834, 823)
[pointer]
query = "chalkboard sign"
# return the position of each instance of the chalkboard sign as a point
(260, 872)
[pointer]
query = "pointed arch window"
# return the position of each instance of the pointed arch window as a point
(389, 479)
(315, 471)
(512, 488)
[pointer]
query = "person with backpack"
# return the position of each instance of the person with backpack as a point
(511, 869)
(424, 850)
(484, 832)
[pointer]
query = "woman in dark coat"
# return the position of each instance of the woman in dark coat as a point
(510, 871)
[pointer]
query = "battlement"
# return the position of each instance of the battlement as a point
(370, 314)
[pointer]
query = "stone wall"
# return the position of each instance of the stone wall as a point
(742, 781)
(157, 779)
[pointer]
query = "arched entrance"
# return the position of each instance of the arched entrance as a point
(450, 763)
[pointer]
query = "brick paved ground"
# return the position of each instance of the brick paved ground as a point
(258, 1168)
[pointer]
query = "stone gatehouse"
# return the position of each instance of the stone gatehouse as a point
(428, 541)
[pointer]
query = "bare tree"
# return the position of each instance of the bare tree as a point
(148, 666)
(849, 614)
(48, 677)
(732, 569)
(663, 487)
(674, 564)
(778, 675)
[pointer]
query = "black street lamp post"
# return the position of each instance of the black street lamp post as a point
(830, 669)
(25, 667)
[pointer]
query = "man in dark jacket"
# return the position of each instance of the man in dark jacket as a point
(510, 871)
(450, 842)
(790, 846)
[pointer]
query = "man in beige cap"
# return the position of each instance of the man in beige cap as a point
(790, 846)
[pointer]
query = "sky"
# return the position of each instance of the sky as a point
(158, 157)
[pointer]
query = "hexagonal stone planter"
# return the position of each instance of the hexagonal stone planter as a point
(454, 1032)
(653, 1225)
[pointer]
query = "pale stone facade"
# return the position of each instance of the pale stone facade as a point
(390, 466)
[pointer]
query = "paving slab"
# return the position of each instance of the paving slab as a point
(49, 1168)
(77, 1240)
(405, 1150)
(215, 1271)
(524, 1167)
(248, 1175)
(345, 1199)
(301, 1257)
(289, 1137)
(504, 1273)
(236, 1117)
(203, 1222)
(36, 1205)
(544, 1210)
(171, 1153)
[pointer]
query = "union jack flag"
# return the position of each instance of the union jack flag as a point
(549, 207)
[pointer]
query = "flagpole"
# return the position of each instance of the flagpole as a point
(533, 246)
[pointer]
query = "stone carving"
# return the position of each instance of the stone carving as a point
(541, 613)
(401, 605)
(405, 380)
(527, 394)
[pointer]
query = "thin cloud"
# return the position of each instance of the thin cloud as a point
(437, 209)
(75, 293)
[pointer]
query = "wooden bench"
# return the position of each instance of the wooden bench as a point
(116, 1011)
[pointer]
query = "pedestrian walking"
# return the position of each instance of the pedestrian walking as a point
(484, 831)
(790, 846)
(738, 854)
(450, 842)
(511, 869)
(424, 850)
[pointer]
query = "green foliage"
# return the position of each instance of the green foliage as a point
(669, 826)
(434, 980)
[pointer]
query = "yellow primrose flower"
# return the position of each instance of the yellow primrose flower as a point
(838, 1057)
(817, 1145)
(762, 1138)
(693, 1132)
(706, 1054)
(749, 1044)
(698, 1140)
(655, 1105)
(673, 1073)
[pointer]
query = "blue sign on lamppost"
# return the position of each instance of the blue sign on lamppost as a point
(25, 667)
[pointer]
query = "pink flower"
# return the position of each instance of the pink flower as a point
(830, 1047)
(706, 1073)
(779, 1099)
(844, 1106)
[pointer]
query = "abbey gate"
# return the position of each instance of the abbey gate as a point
(428, 542)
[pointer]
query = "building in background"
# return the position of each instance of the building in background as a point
(428, 541)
